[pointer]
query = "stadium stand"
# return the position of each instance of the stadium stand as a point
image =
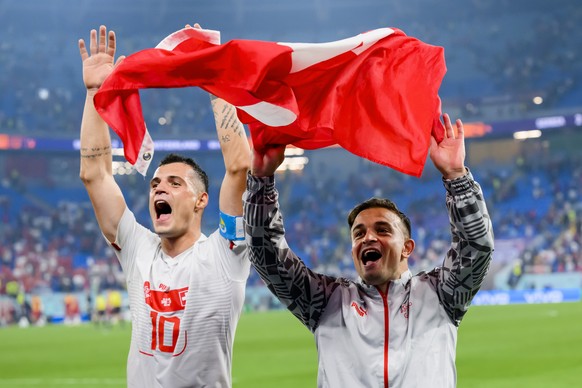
(50, 244)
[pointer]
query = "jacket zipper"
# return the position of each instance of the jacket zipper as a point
(386, 332)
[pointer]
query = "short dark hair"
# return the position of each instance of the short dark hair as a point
(199, 172)
(375, 202)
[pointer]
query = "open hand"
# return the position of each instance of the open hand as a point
(98, 63)
(448, 156)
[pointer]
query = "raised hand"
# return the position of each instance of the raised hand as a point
(266, 161)
(98, 63)
(448, 156)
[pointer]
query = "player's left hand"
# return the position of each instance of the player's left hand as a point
(448, 156)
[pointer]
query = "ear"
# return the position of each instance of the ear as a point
(408, 248)
(201, 202)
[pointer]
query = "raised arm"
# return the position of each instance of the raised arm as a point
(304, 292)
(469, 256)
(96, 159)
(236, 154)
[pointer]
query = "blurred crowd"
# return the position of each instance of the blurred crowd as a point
(49, 239)
(537, 200)
(497, 53)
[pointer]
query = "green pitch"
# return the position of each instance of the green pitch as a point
(503, 346)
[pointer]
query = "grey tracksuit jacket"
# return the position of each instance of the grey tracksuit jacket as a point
(406, 338)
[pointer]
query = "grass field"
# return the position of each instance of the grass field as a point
(502, 346)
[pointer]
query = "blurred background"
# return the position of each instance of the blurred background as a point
(514, 77)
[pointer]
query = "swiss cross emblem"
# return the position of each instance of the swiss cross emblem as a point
(405, 309)
(166, 301)
(183, 295)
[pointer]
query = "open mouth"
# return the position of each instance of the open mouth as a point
(162, 209)
(371, 255)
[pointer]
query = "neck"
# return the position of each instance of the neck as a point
(175, 246)
(382, 288)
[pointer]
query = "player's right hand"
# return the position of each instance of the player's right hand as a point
(98, 62)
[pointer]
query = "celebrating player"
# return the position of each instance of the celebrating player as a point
(186, 289)
(388, 328)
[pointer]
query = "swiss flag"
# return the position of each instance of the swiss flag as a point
(374, 94)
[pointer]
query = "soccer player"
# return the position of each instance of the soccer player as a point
(114, 302)
(388, 328)
(186, 289)
(72, 310)
(101, 310)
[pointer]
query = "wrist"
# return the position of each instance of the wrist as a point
(459, 185)
(91, 92)
(260, 174)
(455, 174)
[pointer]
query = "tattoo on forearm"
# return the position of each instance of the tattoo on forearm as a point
(229, 120)
(95, 152)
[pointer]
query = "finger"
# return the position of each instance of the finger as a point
(102, 41)
(119, 60)
(83, 50)
(449, 132)
(433, 143)
(111, 45)
(460, 129)
(196, 25)
(93, 42)
(188, 26)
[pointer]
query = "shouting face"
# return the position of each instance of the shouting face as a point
(380, 246)
(176, 200)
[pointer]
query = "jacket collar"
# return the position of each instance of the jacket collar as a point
(394, 284)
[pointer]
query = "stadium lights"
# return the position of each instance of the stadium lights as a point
(294, 160)
(117, 152)
(292, 151)
(123, 168)
(522, 135)
(293, 164)
(44, 94)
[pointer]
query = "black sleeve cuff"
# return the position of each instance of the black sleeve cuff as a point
(257, 184)
(460, 185)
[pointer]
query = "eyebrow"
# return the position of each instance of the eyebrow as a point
(377, 223)
(169, 177)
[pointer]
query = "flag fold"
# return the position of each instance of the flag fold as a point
(374, 94)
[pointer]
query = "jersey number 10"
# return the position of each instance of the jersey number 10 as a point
(161, 326)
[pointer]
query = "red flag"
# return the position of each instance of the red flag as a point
(374, 94)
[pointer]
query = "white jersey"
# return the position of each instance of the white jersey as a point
(184, 310)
